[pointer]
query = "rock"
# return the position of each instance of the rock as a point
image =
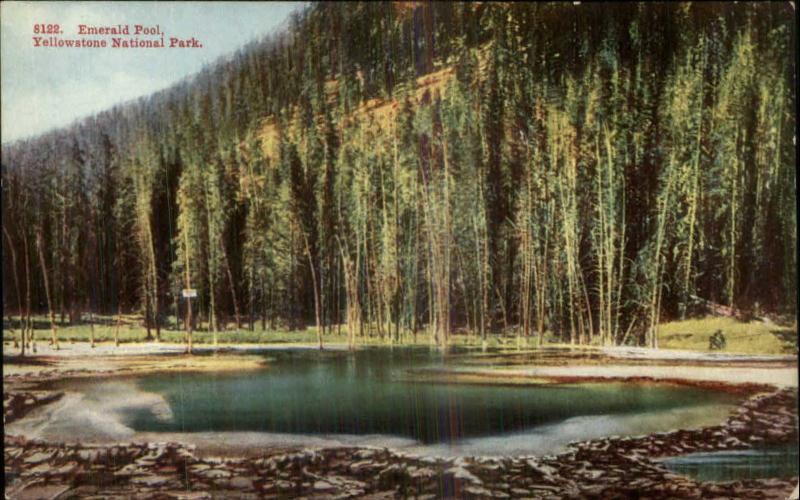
(67, 468)
(39, 491)
(241, 483)
(365, 453)
(284, 485)
(322, 486)
(187, 495)
(393, 473)
(423, 473)
(89, 455)
(462, 474)
(492, 467)
(150, 480)
(361, 467)
(593, 474)
(129, 470)
(478, 491)
(39, 456)
(543, 487)
(542, 469)
(592, 489)
(775, 434)
(215, 474)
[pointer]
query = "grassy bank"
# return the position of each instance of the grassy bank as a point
(753, 337)
(130, 330)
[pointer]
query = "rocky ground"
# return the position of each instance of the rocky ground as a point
(17, 404)
(607, 468)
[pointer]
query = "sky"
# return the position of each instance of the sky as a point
(49, 87)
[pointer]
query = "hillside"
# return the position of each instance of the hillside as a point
(582, 171)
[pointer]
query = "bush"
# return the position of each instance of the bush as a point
(717, 341)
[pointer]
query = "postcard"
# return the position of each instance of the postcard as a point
(399, 250)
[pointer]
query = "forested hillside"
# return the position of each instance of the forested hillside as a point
(585, 170)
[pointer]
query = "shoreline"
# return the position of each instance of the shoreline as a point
(766, 416)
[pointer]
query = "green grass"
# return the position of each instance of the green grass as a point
(131, 330)
(754, 337)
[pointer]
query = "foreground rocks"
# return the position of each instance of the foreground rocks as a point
(605, 468)
(17, 404)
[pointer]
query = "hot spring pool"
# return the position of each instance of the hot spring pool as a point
(367, 395)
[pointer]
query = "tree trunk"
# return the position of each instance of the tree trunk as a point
(316, 291)
(188, 299)
(154, 283)
(119, 322)
(250, 299)
(50, 312)
(16, 290)
(231, 284)
(263, 307)
(147, 312)
(91, 323)
(28, 322)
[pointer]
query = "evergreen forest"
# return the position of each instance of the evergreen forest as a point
(570, 171)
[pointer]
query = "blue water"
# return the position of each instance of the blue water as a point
(370, 392)
(760, 463)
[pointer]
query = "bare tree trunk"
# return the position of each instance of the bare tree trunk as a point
(351, 290)
(16, 290)
(250, 299)
(154, 284)
(119, 322)
(11, 329)
(231, 284)
(147, 312)
(176, 304)
(263, 307)
(316, 290)
(51, 314)
(338, 305)
(91, 323)
(28, 323)
(62, 259)
(188, 299)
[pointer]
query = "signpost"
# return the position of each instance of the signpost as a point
(189, 294)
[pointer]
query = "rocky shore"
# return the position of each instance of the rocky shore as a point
(615, 467)
(17, 404)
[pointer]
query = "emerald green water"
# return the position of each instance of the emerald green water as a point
(369, 392)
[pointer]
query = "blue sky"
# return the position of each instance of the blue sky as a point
(45, 88)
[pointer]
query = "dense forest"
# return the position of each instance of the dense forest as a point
(585, 170)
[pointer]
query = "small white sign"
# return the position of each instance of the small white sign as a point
(190, 293)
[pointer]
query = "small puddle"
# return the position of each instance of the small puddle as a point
(758, 463)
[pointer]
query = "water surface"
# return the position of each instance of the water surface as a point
(759, 463)
(306, 393)
(368, 392)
